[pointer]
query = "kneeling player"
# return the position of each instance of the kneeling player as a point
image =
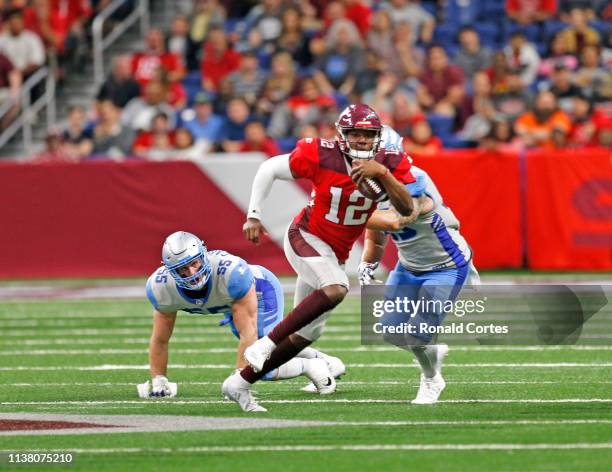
(211, 282)
(434, 263)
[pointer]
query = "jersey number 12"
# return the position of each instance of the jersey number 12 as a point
(357, 207)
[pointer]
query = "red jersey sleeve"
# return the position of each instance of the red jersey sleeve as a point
(304, 159)
(398, 163)
(402, 171)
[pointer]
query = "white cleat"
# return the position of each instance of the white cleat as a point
(237, 389)
(336, 368)
(259, 352)
(429, 390)
(322, 380)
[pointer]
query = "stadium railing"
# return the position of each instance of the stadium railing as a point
(101, 43)
(28, 109)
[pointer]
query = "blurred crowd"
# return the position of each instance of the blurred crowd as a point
(239, 76)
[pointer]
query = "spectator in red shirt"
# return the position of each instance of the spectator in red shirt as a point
(359, 13)
(526, 12)
(256, 140)
(309, 106)
(421, 140)
(156, 143)
(589, 127)
(218, 61)
(145, 63)
(441, 88)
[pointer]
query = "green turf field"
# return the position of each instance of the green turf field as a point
(503, 409)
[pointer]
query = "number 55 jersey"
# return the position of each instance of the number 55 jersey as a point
(337, 212)
(231, 279)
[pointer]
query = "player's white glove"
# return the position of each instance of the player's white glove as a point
(160, 387)
(366, 270)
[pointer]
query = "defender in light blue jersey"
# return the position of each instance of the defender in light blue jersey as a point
(250, 297)
(435, 262)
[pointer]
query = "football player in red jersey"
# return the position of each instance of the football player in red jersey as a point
(318, 241)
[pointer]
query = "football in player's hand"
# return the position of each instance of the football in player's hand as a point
(372, 189)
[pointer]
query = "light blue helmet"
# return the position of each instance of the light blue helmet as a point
(182, 248)
(391, 140)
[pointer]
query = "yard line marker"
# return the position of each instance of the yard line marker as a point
(144, 330)
(322, 447)
(231, 350)
(303, 401)
(177, 339)
(359, 366)
(292, 385)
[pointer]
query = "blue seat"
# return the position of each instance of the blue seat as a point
(445, 33)
(602, 27)
(552, 27)
(531, 32)
(462, 12)
(286, 144)
(441, 126)
(488, 32)
(492, 10)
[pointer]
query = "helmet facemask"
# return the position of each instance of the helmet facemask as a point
(180, 252)
(358, 117)
(196, 281)
(345, 145)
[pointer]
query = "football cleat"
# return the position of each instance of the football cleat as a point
(336, 366)
(259, 352)
(237, 389)
(336, 369)
(318, 372)
(429, 390)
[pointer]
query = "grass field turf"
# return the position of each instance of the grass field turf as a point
(497, 405)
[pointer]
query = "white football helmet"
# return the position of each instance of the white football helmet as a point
(391, 140)
(180, 249)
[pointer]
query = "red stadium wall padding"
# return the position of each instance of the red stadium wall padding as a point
(569, 209)
(110, 219)
(483, 190)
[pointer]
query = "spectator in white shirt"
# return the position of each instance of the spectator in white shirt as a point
(24, 48)
(523, 55)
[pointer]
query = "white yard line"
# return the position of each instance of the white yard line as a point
(360, 366)
(170, 402)
(325, 447)
(292, 385)
(544, 365)
(231, 350)
(176, 339)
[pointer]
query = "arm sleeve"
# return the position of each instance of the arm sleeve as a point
(272, 169)
(240, 280)
(151, 295)
(417, 188)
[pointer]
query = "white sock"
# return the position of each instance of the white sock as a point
(290, 369)
(266, 341)
(309, 353)
(428, 367)
(432, 352)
